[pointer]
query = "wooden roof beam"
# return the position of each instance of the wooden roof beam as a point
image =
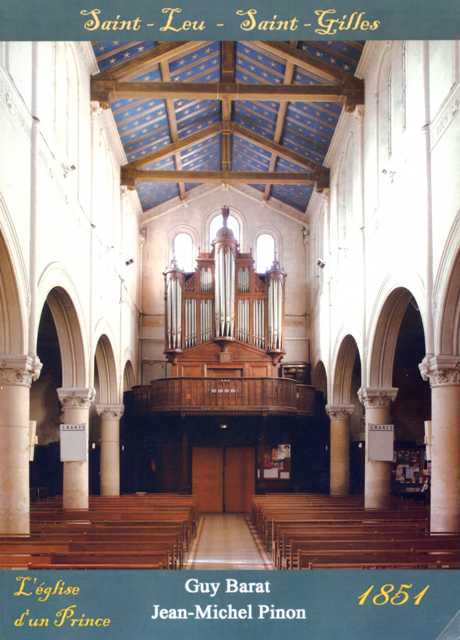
(163, 52)
(227, 74)
(172, 123)
(178, 145)
(236, 129)
(279, 126)
(276, 148)
(130, 177)
(106, 91)
(303, 60)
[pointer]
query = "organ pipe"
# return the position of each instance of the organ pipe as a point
(225, 261)
(276, 279)
(225, 299)
(174, 279)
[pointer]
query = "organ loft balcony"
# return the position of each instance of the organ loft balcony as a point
(245, 396)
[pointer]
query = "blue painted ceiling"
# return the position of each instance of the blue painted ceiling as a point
(144, 126)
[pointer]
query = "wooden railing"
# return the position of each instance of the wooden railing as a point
(225, 395)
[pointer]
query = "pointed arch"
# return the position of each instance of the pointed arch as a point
(343, 371)
(385, 336)
(319, 378)
(56, 288)
(70, 337)
(129, 377)
(13, 288)
(447, 292)
(12, 317)
(107, 392)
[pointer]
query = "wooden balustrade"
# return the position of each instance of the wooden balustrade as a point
(225, 395)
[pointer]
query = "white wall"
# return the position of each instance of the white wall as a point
(86, 228)
(404, 180)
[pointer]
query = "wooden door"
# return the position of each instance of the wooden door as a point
(239, 479)
(207, 479)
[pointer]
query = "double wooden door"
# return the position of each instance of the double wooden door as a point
(223, 478)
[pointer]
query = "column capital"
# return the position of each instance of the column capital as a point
(340, 411)
(377, 397)
(76, 398)
(19, 370)
(441, 371)
(110, 410)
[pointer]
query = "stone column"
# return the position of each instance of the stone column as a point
(75, 408)
(110, 448)
(443, 372)
(377, 478)
(16, 376)
(340, 449)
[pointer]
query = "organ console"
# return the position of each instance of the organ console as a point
(224, 300)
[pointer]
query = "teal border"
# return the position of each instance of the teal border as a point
(61, 19)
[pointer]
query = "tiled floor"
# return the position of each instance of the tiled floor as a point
(226, 541)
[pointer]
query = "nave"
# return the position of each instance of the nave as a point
(175, 341)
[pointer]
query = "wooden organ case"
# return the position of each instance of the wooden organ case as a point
(224, 317)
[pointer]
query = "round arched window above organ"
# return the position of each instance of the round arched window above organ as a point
(183, 251)
(218, 222)
(265, 252)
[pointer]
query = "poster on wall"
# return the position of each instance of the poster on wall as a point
(277, 462)
(279, 105)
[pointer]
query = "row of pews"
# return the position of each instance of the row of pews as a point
(306, 531)
(152, 531)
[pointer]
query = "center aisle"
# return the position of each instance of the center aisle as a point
(226, 541)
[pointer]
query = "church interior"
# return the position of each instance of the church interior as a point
(230, 304)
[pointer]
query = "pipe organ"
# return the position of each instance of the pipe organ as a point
(224, 301)
(174, 284)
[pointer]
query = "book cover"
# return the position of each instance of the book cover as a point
(229, 320)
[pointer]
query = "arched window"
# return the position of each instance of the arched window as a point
(265, 252)
(218, 222)
(183, 251)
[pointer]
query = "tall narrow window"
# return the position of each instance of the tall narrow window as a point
(218, 222)
(183, 251)
(265, 252)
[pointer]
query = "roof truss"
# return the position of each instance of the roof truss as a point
(332, 85)
(131, 177)
(348, 94)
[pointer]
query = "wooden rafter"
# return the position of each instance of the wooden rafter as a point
(236, 129)
(130, 177)
(303, 60)
(276, 148)
(279, 127)
(106, 91)
(172, 122)
(163, 52)
(177, 146)
(227, 75)
(242, 132)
